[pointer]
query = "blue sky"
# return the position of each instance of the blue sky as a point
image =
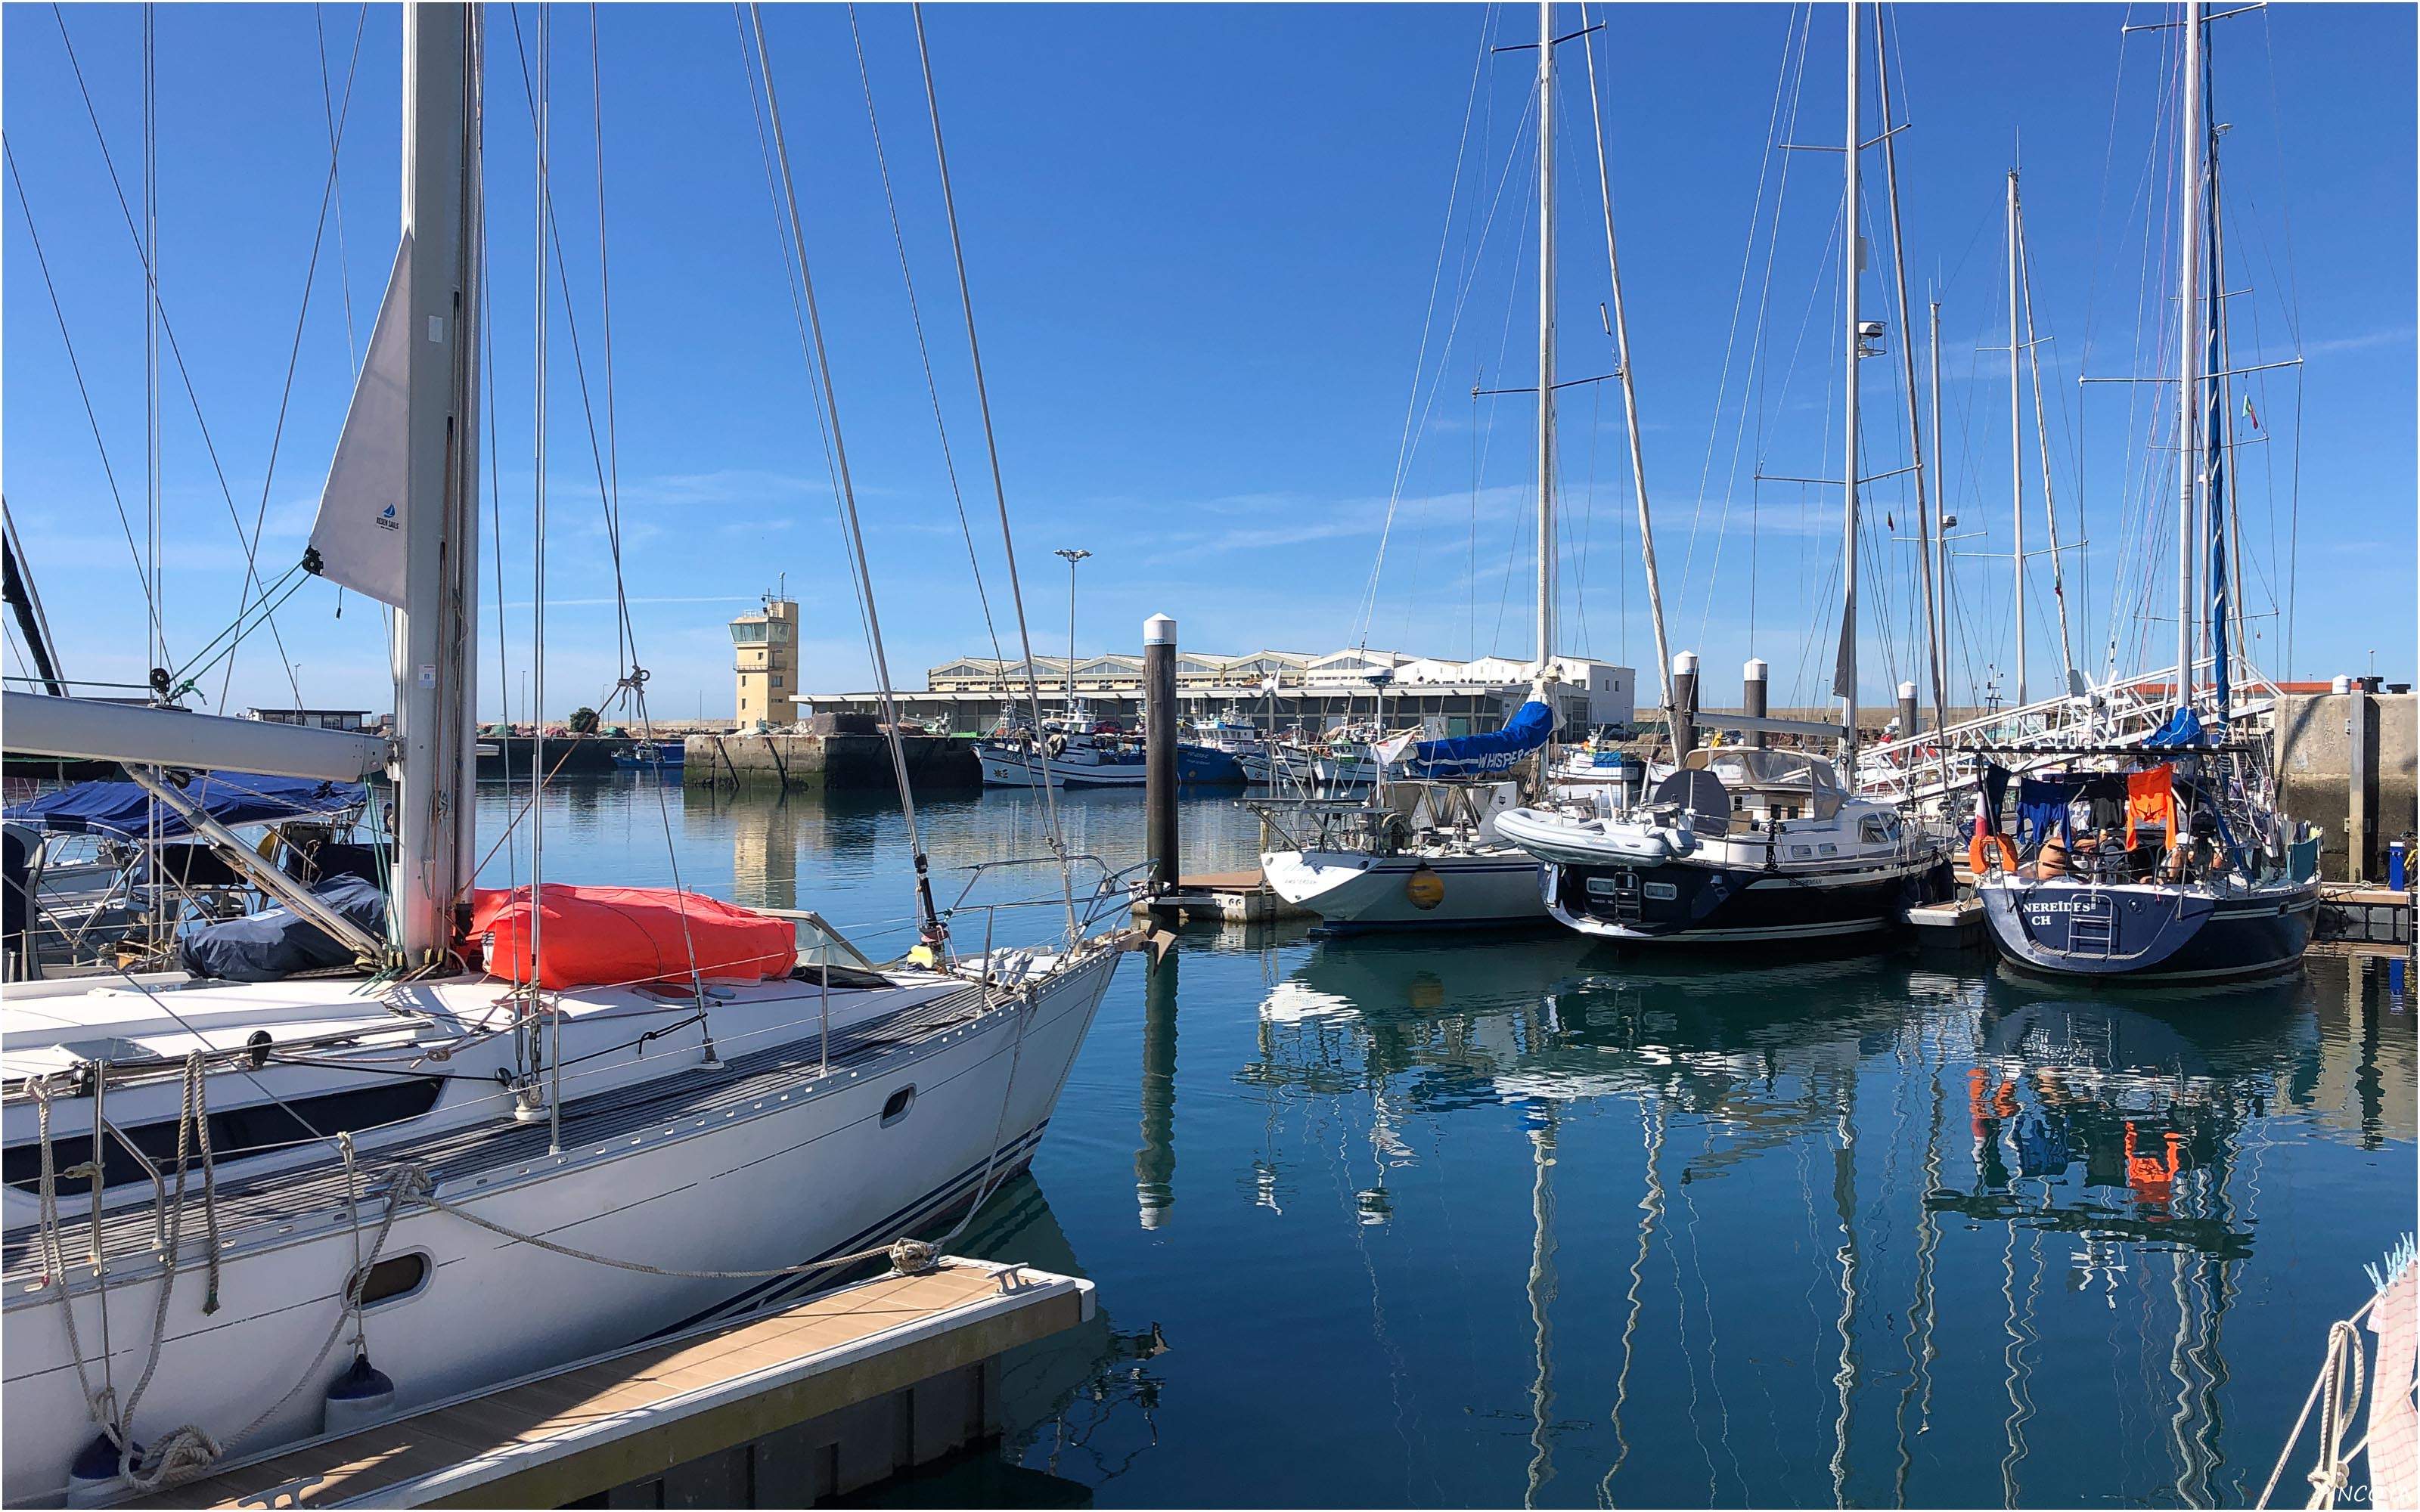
(1203, 242)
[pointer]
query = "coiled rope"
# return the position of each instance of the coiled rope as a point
(2337, 1394)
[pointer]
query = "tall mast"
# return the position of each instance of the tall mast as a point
(435, 634)
(1907, 368)
(2189, 150)
(2041, 441)
(1936, 606)
(2016, 445)
(1845, 684)
(1545, 334)
(1629, 392)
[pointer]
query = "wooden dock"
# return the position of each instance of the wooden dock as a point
(813, 1400)
(1951, 926)
(2353, 914)
(1228, 897)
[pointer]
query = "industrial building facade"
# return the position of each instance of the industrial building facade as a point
(1276, 690)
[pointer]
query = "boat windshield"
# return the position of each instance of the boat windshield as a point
(818, 940)
(1750, 768)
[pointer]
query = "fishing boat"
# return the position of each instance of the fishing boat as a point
(1076, 757)
(658, 756)
(1743, 843)
(308, 1202)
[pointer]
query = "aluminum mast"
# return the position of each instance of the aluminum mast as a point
(435, 634)
(1629, 393)
(1845, 682)
(1545, 335)
(2016, 447)
(2188, 351)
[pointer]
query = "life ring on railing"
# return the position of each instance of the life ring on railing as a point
(1977, 852)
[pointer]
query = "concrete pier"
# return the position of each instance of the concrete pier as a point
(2345, 762)
(833, 762)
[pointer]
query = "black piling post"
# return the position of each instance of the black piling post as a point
(1684, 703)
(1755, 678)
(1907, 710)
(1159, 747)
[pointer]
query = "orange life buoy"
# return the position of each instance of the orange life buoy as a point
(1982, 846)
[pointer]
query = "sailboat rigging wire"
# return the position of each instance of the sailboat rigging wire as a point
(1619, 335)
(1404, 443)
(924, 349)
(1926, 503)
(76, 369)
(167, 327)
(789, 269)
(2042, 437)
(822, 367)
(992, 449)
(1794, 42)
(294, 351)
(328, 109)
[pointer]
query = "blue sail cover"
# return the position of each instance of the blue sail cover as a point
(122, 811)
(1531, 726)
(2182, 729)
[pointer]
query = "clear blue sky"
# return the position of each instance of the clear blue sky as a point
(1201, 241)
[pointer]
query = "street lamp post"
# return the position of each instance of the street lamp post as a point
(1072, 556)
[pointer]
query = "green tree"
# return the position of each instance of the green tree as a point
(583, 720)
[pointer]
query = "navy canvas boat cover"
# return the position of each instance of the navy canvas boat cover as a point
(276, 943)
(122, 811)
(1531, 726)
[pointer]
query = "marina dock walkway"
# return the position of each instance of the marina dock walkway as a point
(818, 1399)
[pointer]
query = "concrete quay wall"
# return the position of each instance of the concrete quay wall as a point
(2315, 766)
(839, 761)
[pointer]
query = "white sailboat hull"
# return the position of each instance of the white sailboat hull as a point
(806, 1170)
(1489, 888)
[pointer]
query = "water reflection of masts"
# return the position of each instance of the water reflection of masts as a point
(1541, 1298)
(2020, 1332)
(1844, 1203)
(1921, 1311)
(1650, 1212)
(1155, 1161)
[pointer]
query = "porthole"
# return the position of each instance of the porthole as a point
(896, 1108)
(397, 1276)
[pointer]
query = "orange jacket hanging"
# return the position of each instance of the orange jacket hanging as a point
(2152, 799)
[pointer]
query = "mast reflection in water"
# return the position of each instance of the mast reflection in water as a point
(1472, 1223)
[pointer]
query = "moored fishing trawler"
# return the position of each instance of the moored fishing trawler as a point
(515, 1127)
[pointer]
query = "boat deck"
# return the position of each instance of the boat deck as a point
(285, 1198)
(631, 1416)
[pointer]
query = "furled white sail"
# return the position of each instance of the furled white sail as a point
(359, 535)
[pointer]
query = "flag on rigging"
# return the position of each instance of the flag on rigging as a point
(2248, 414)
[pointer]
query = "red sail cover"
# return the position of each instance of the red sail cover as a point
(620, 937)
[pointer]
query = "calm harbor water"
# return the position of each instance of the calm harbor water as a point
(1459, 1222)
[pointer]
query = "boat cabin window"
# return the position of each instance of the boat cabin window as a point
(1878, 828)
(399, 1275)
(235, 1131)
